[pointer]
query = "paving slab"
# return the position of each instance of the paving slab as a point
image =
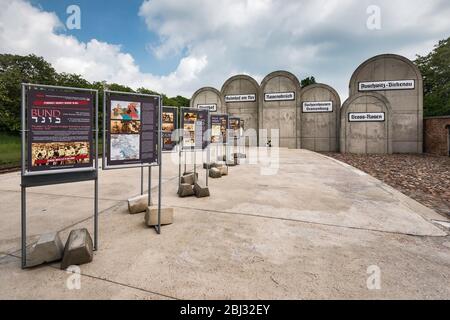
(47, 283)
(308, 232)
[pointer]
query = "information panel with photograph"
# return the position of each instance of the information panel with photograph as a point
(169, 125)
(195, 124)
(219, 127)
(60, 130)
(235, 127)
(132, 129)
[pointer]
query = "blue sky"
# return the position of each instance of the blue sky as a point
(176, 47)
(115, 22)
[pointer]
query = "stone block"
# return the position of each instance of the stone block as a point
(201, 191)
(209, 165)
(189, 178)
(138, 204)
(223, 170)
(49, 248)
(215, 173)
(78, 250)
(185, 190)
(151, 216)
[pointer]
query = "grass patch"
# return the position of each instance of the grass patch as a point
(10, 146)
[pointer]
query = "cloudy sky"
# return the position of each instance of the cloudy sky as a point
(176, 46)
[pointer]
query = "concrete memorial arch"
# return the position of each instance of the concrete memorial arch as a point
(208, 98)
(241, 97)
(278, 96)
(366, 124)
(400, 82)
(318, 118)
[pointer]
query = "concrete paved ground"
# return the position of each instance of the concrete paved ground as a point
(310, 231)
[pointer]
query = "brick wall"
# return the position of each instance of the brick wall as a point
(436, 135)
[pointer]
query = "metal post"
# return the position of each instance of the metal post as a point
(24, 227)
(23, 188)
(149, 186)
(96, 178)
(142, 181)
(160, 167)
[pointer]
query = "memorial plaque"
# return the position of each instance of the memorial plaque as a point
(219, 127)
(132, 123)
(195, 124)
(366, 117)
(60, 130)
(169, 125)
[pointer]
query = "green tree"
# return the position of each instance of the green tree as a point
(435, 68)
(14, 70)
(307, 81)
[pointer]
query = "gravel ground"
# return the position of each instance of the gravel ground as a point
(424, 178)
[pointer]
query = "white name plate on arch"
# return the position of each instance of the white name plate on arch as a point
(279, 96)
(387, 85)
(366, 117)
(210, 107)
(317, 106)
(241, 98)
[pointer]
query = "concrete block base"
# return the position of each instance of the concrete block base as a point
(215, 173)
(223, 170)
(151, 216)
(78, 250)
(49, 248)
(201, 191)
(189, 178)
(185, 190)
(138, 204)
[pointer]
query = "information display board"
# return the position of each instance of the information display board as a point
(219, 127)
(235, 127)
(169, 125)
(195, 124)
(131, 135)
(60, 130)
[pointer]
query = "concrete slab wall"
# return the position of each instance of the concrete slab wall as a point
(208, 96)
(407, 105)
(366, 137)
(318, 131)
(248, 110)
(276, 113)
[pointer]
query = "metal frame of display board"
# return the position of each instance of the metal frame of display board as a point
(158, 163)
(194, 151)
(38, 179)
(223, 144)
(235, 138)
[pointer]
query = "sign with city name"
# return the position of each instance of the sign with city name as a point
(279, 96)
(387, 85)
(318, 107)
(241, 98)
(366, 117)
(211, 107)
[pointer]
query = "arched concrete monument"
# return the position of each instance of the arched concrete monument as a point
(366, 124)
(278, 96)
(241, 97)
(318, 118)
(400, 81)
(208, 98)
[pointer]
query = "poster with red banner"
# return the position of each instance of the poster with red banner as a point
(60, 130)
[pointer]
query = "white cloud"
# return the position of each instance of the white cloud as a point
(216, 39)
(25, 29)
(324, 38)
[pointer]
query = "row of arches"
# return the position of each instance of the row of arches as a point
(312, 117)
